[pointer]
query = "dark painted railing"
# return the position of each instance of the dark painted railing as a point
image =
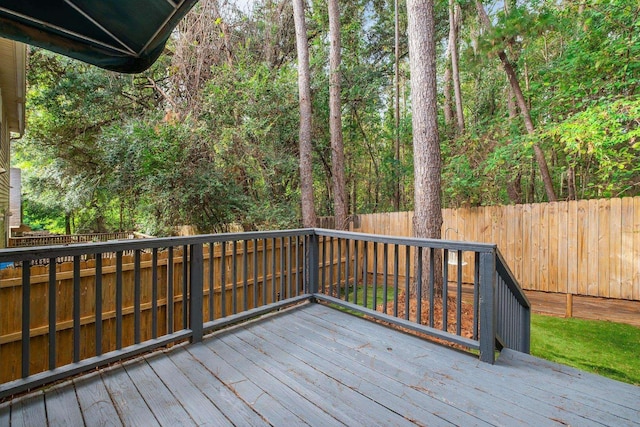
(66, 239)
(396, 280)
(176, 289)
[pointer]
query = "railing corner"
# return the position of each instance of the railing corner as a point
(487, 307)
(196, 273)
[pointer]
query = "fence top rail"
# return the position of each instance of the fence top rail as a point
(54, 251)
(410, 241)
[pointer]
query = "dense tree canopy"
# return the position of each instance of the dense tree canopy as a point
(209, 135)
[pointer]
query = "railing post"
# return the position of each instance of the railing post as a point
(525, 332)
(487, 307)
(313, 249)
(196, 293)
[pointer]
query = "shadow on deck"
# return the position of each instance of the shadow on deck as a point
(316, 365)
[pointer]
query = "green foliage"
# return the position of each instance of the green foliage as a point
(604, 348)
(213, 140)
(603, 144)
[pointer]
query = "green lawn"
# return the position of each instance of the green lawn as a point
(605, 348)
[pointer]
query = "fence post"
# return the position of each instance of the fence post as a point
(312, 263)
(196, 293)
(487, 307)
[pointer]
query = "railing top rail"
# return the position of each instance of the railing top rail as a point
(503, 269)
(39, 252)
(60, 236)
(410, 241)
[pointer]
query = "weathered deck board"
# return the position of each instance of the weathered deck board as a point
(259, 398)
(314, 365)
(343, 402)
(382, 403)
(62, 406)
(236, 410)
(533, 407)
(157, 395)
(95, 402)
(200, 409)
(426, 387)
(29, 411)
(131, 407)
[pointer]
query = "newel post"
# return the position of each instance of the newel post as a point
(196, 274)
(313, 251)
(487, 307)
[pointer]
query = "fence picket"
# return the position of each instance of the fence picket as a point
(585, 247)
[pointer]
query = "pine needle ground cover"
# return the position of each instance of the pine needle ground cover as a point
(604, 348)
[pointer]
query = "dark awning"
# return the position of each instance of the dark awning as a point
(119, 35)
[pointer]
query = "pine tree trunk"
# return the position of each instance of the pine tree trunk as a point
(335, 119)
(304, 95)
(427, 220)
(454, 18)
(524, 109)
(396, 195)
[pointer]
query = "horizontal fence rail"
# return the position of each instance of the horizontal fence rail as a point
(114, 300)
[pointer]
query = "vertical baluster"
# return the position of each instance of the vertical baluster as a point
(154, 293)
(212, 276)
(255, 273)
(419, 286)
(26, 317)
(355, 271)
(445, 284)
(445, 294)
(346, 268)
(264, 271)
(431, 286)
(136, 297)
(407, 280)
(476, 292)
(365, 267)
(331, 266)
(282, 270)
(185, 286)
(459, 292)
(170, 304)
(289, 268)
(306, 264)
(234, 277)
(118, 300)
(223, 279)
(396, 250)
(76, 308)
(53, 293)
(324, 266)
(375, 277)
(273, 270)
(339, 272)
(297, 282)
(245, 273)
(385, 277)
(98, 304)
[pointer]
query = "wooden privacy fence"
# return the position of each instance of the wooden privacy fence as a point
(585, 247)
(274, 265)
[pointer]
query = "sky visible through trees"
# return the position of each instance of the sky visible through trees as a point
(209, 136)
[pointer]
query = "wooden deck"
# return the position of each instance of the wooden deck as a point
(318, 366)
